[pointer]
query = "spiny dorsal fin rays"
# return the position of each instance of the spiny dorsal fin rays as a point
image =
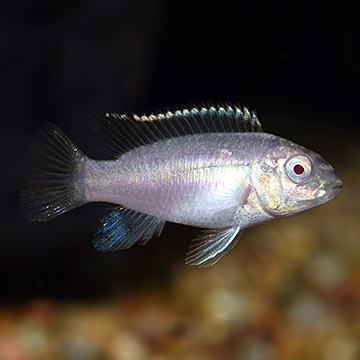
(126, 132)
(207, 118)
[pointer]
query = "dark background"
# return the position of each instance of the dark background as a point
(65, 61)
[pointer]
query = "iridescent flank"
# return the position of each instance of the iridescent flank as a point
(207, 166)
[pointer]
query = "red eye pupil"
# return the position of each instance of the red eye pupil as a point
(298, 169)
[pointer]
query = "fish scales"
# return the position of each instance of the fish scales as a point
(210, 167)
(186, 179)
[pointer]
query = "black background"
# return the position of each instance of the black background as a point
(65, 61)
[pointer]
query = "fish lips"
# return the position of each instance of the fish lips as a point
(332, 191)
(336, 188)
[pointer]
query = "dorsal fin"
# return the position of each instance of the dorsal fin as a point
(125, 132)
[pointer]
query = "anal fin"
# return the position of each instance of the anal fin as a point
(211, 245)
(123, 228)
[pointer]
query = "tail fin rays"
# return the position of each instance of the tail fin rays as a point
(57, 181)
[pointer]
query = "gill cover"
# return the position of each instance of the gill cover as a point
(267, 183)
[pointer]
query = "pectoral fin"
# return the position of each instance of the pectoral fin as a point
(211, 245)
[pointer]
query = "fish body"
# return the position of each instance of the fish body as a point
(212, 168)
(194, 180)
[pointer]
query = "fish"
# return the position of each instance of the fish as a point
(209, 166)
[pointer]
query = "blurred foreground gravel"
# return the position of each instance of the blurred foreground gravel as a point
(290, 290)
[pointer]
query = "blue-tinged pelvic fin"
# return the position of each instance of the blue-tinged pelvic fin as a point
(125, 132)
(123, 228)
(211, 245)
(57, 182)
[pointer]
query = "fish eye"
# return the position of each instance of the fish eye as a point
(298, 168)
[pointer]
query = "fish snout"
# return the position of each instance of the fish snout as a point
(336, 187)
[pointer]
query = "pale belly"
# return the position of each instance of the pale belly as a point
(199, 196)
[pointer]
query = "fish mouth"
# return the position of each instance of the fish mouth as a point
(336, 188)
(332, 191)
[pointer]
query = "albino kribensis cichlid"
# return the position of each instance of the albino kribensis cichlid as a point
(207, 166)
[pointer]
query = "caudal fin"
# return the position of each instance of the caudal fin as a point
(57, 182)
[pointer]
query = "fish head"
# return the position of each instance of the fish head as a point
(291, 179)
